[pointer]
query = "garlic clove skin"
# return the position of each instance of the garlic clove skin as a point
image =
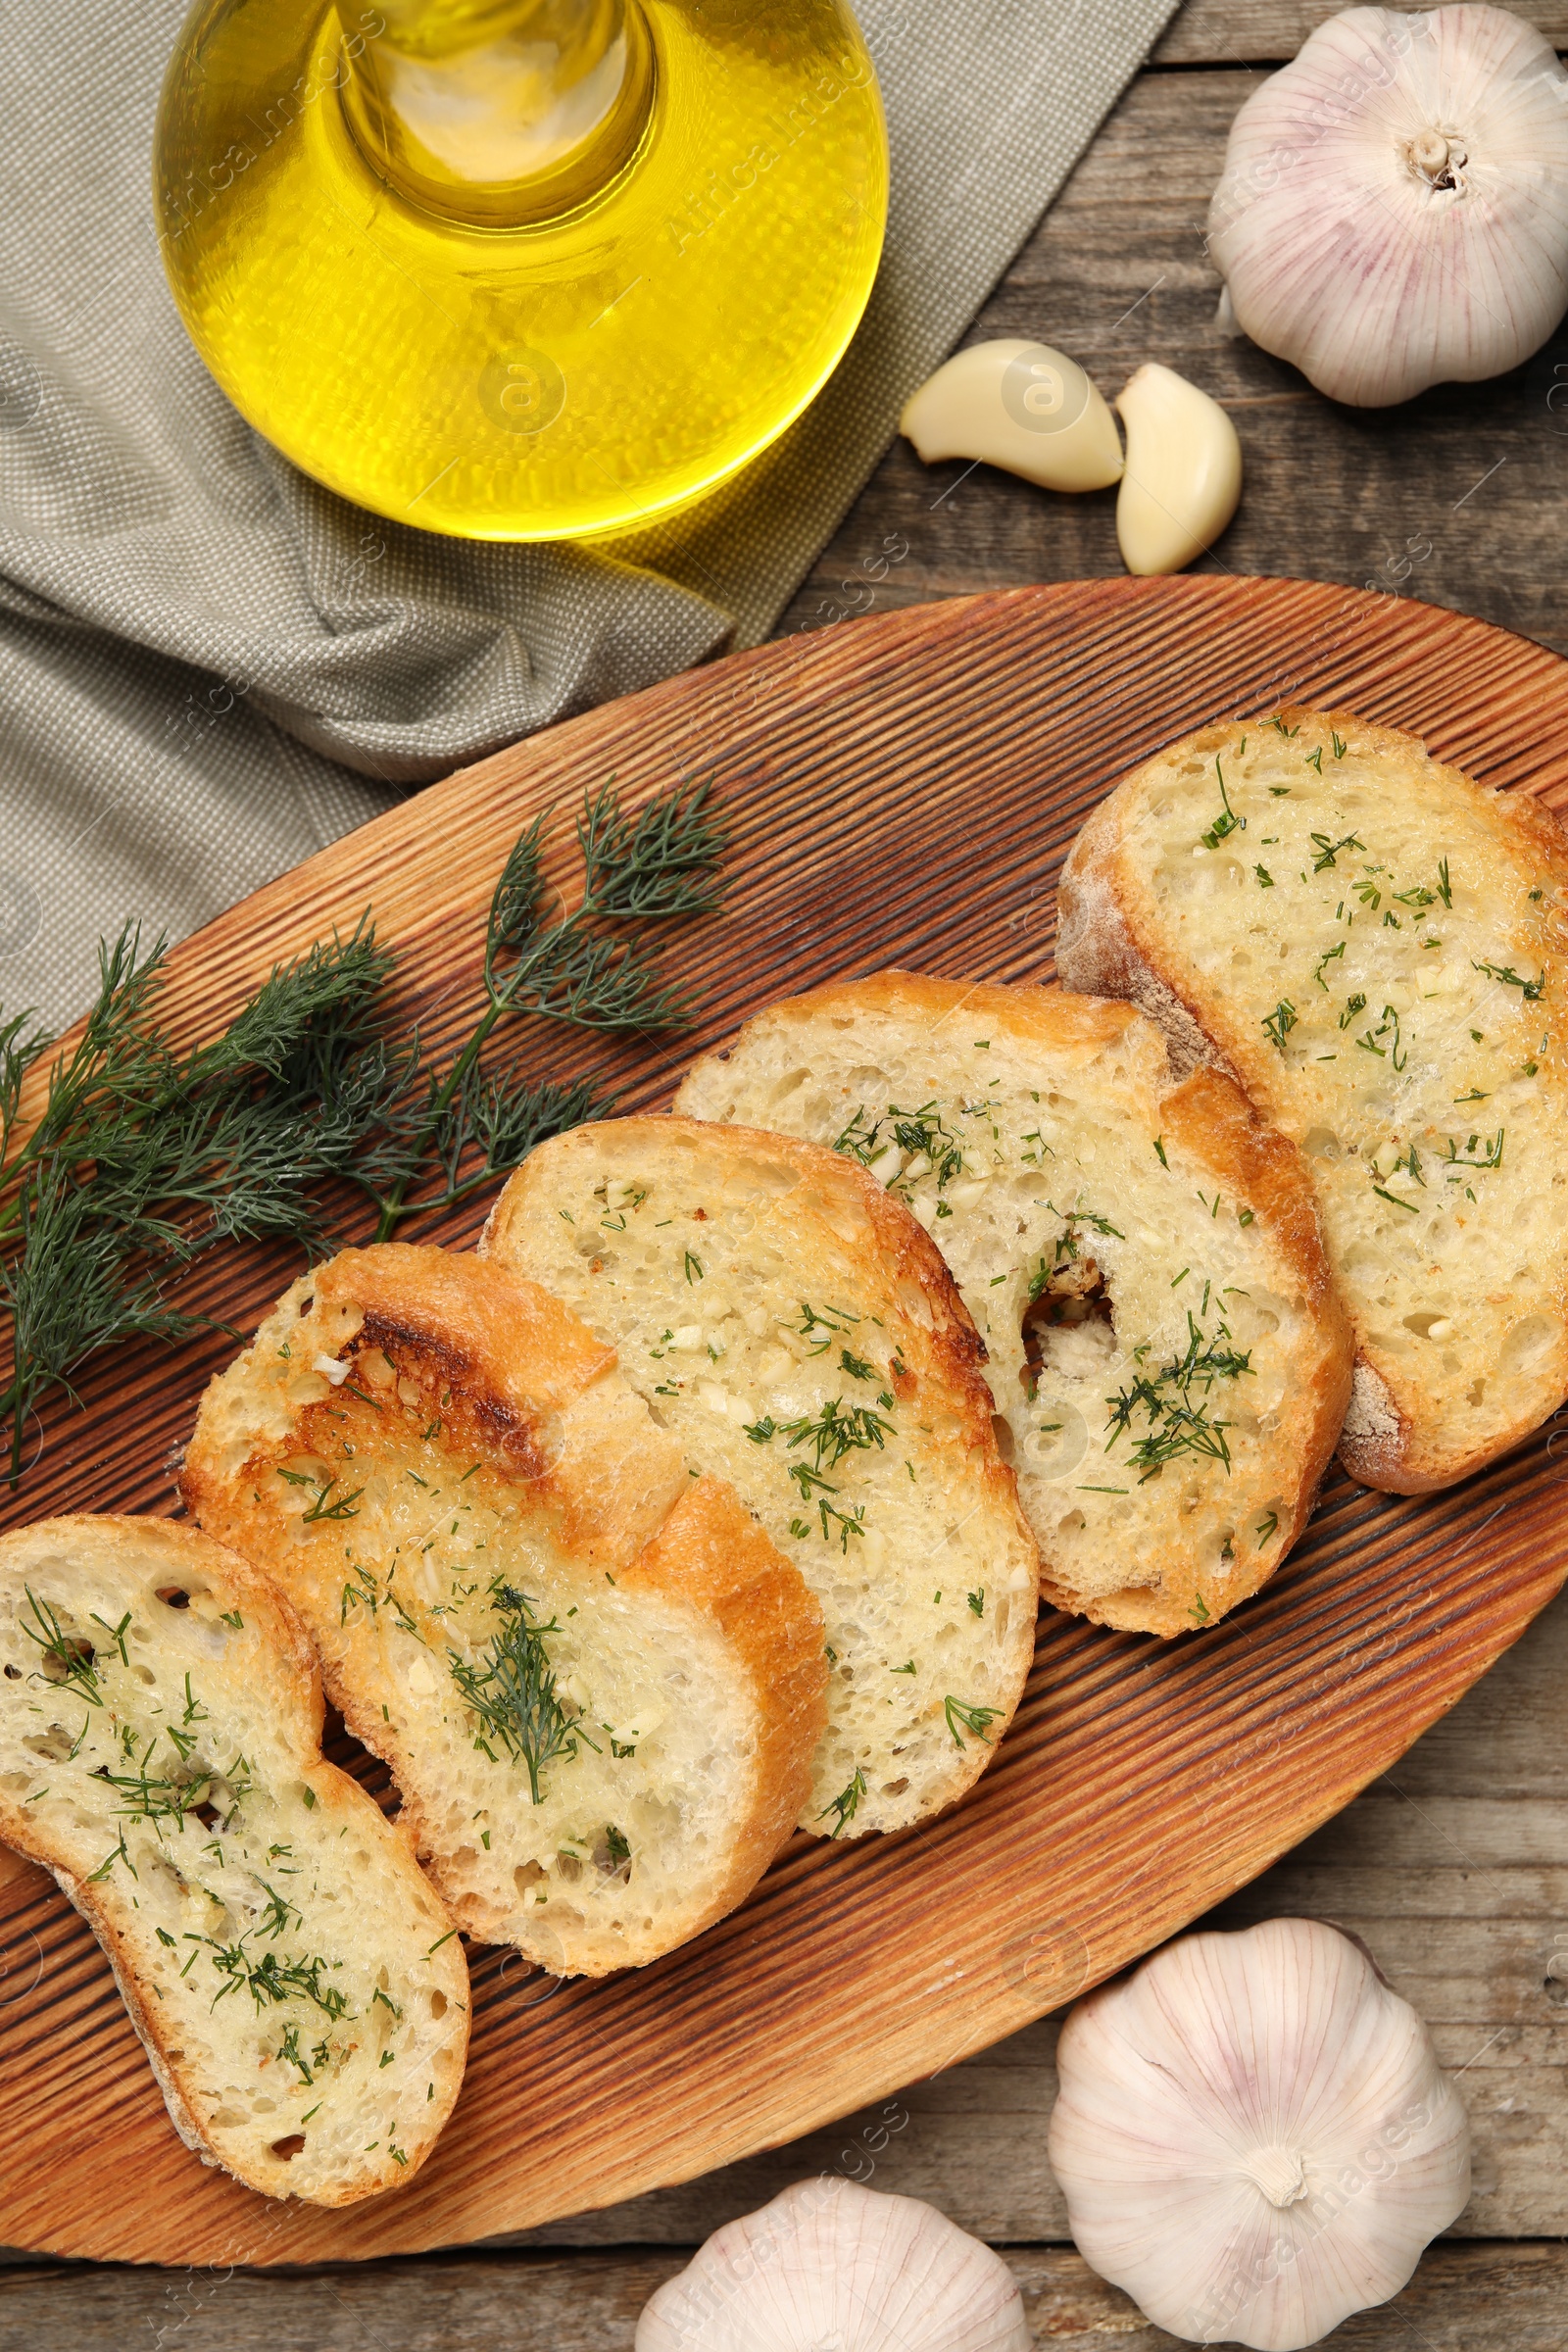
(1254, 2136)
(1020, 406)
(1394, 209)
(829, 2264)
(1183, 482)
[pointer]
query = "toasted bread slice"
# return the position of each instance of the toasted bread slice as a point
(598, 1685)
(1140, 1255)
(302, 1994)
(1377, 948)
(796, 1333)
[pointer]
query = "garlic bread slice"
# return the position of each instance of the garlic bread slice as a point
(1140, 1255)
(1377, 948)
(797, 1334)
(301, 1992)
(597, 1683)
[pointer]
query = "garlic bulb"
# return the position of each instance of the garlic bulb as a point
(1394, 211)
(830, 2267)
(1254, 2136)
(1021, 405)
(1184, 471)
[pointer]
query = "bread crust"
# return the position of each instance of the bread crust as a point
(523, 1392)
(286, 1654)
(1110, 941)
(1208, 1115)
(1046, 1017)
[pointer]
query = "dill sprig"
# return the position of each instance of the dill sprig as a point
(347, 1507)
(147, 1154)
(844, 1523)
(512, 1689)
(845, 1805)
(840, 1428)
(1328, 849)
(579, 969)
(1227, 823)
(271, 1981)
(962, 1716)
(1396, 1049)
(1504, 973)
(1175, 1401)
(1072, 1218)
(66, 1657)
(1279, 1023)
(288, 2050)
(820, 1326)
(1066, 1252)
(144, 1156)
(902, 1140)
(157, 1798)
(1479, 1151)
(274, 1920)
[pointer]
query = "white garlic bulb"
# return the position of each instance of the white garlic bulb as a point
(1183, 482)
(1254, 2136)
(1021, 405)
(1394, 211)
(830, 2267)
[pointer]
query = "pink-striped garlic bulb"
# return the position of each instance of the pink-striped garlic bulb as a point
(1394, 211)
(830, 2267)
(1254, 2136)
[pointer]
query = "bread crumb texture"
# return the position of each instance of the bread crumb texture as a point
(790, 1326)
(299, 1991)
(597, 1683)
(1375, 945)
(1167, 1360)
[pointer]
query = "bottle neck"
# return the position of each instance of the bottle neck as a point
(498, 113)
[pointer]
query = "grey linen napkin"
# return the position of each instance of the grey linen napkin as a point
(210, 666)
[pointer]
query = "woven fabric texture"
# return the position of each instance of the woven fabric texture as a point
(210, 666)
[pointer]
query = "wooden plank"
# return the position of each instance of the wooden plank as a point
(483, 2304)
(1463, 2298)
(960, 747)
(1222, 32)
(1452, 498)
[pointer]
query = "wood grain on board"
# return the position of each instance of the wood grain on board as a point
(902, 791)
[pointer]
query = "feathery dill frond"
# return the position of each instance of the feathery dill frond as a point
(145, 1155)
(511, 1690)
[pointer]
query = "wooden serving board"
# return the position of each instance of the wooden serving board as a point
(901, 788)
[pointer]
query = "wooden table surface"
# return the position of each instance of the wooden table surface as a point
(1454, 1868)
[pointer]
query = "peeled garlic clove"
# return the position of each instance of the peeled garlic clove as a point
(1254, 2136)
(1184, 471)
(1021, 405)
(1394, 209)
(831, 2264)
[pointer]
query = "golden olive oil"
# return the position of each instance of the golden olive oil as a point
(475, 329)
